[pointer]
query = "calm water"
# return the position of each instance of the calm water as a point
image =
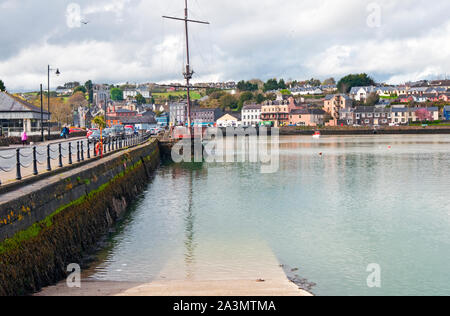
(367, 199)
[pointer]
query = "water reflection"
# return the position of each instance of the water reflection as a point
(375, 199)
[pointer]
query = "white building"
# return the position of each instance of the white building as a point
(129, 93)
(251, 115)
(361, 93)
(228, 121)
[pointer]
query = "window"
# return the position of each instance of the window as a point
(367, 121)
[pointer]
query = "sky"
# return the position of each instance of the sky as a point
(128, 40)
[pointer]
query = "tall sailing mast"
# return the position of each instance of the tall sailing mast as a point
(188, 73)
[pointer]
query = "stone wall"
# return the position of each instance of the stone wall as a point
(65, 216)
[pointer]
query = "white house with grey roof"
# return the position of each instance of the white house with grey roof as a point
(251, 115)
(17, 115)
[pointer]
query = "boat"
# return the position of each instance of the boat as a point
(317, 135)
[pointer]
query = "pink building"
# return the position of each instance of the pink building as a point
(311, 117)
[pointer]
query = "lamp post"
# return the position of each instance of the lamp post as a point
(48, 96)
(42, 117)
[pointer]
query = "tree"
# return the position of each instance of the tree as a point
(282, 84)
(372, 99)
(244, 97)
(246, 86)
(77, 100)
(140, 99)
(228, 101)
(99, 121)
(2, 86)
(80, 88)
(285, 92)
(270, 85)
(62, 112)
(90, 90)
(424, 115)
(329, 82)
(116, 94)
(260, 98)
(314, 82)
(356, 80)
(271, 96)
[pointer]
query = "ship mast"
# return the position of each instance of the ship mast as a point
(188, 73)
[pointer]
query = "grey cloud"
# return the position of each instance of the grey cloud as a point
(127, 40)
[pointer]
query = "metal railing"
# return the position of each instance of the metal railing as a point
(66, 153)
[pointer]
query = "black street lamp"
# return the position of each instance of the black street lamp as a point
(48, 96)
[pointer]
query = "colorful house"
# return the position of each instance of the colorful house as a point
(304, 117)
(163, 120)
(447, 113)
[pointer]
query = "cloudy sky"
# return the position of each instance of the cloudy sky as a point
(128, 41)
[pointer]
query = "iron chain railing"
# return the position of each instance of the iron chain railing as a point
(85, 150)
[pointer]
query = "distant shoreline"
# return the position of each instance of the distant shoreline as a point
(407, 130)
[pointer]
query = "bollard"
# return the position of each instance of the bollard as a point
(60, 165)
(95, 148)
(70, 153)
(88, 150)
(109, 145)
(18, 173)
(35, 168)
(82, 151)
(78, 152)
(49, 161)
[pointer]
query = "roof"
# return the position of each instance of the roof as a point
(365, 109)
(331, 96)
(300, 112)
(124, 111)
(10, 103)
(400, 110)
(205, 109)
(308, 112)
(228, 117)
(252, 107)
(138, 120)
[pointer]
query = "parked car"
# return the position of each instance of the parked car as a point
(91, 131)
(129, 131)
(73, 130)
(95, 136)
(118, 131)
(156, 130)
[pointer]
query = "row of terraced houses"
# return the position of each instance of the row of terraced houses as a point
(398, 105)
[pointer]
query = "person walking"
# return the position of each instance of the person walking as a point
(24, 138)
(65, 132)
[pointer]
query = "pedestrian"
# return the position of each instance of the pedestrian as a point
(24, 138)
(65, 132)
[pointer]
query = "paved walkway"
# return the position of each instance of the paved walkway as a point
(54, 141)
